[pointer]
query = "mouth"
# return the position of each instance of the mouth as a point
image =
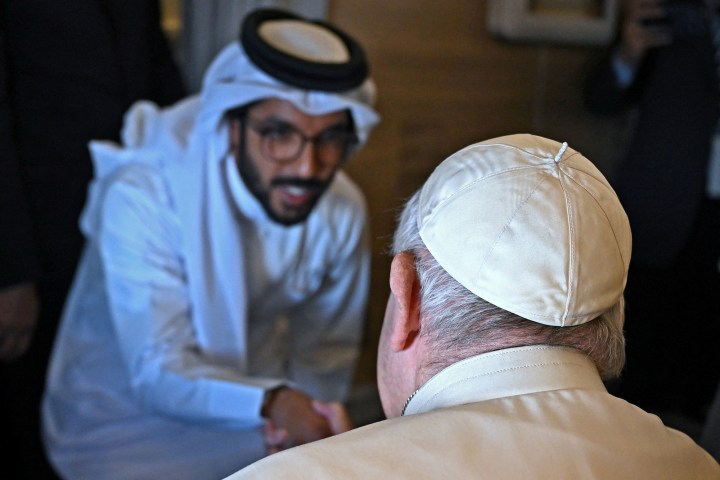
(298, 193)
(294, 196)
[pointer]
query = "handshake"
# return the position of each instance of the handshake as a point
(294, 419)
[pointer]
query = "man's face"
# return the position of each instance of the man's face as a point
(288, 181)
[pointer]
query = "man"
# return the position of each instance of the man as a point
(68, 73)
(504, 316)
(664, 66)
(225, 277)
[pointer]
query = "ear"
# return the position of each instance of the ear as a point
(405, 289)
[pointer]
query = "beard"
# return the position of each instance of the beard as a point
(292, 215)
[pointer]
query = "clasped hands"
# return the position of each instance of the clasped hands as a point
(294, 418)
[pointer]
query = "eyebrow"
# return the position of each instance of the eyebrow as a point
(281, 122)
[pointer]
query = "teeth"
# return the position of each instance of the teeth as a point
(295, 190)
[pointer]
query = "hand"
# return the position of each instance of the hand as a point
(19, 307)
(275, 438)
(292, 411)
(335, 414)
(638, 37)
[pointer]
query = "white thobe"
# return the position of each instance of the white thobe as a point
(188, 304)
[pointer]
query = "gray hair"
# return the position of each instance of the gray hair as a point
(458, 324)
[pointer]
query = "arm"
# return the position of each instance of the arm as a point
(18, 298)
(641, 32)
(324, 338)
(325, 333)
(148, 296)
(326, 330)
(615, 84)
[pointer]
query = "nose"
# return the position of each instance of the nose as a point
(308, 164)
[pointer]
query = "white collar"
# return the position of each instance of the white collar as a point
(504, 373)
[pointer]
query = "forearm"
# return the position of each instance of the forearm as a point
(17, 244)
(206, 394)
(170, 370)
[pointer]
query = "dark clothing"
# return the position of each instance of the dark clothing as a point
(661, 179)
(673, 326)
(68, 73)
(672, 322)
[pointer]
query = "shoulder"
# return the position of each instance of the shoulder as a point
(123, 179)
(139, 181)
(153, 139)
(136, 199)
(146, 126)
(359, 453)
(378, 450)
(486, 436)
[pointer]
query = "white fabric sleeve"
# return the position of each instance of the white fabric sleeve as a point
(325, 333)
(139, 241)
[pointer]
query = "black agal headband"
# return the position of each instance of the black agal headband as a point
(301, 72)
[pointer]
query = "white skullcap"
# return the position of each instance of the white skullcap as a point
(529, 225)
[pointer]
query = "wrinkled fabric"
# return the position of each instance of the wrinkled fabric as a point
(529, 225)
(523, 413)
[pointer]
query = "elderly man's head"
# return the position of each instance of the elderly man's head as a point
(513, 241)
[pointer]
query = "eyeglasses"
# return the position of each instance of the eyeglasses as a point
(282, 143)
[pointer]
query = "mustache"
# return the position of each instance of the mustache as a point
(315, 186)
